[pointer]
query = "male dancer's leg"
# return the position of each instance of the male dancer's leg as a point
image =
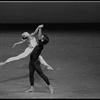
(44, 77)
(31, 77)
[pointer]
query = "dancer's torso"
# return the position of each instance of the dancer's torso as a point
(36, 52)
(38, 49)
(32, 42)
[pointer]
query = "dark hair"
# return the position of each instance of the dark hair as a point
(46, 39)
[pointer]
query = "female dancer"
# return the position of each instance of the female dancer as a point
(26, 37)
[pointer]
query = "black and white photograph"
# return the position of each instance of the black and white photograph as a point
(49, 49)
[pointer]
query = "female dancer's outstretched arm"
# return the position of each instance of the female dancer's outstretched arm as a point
(20, 42)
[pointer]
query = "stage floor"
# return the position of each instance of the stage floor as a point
(74, 55)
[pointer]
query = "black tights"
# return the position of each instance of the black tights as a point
(35, 66)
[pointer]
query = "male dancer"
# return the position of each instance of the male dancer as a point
(34, 64)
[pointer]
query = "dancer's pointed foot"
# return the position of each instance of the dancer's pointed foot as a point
(30, 90)
(51, 89)
(50, 68)
(2, 63)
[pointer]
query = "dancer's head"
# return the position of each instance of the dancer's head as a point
(25, 35)
(45, 39)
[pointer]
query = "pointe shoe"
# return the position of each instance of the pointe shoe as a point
(1, 63)
(51, 89)
(30, 90)
(50, 68)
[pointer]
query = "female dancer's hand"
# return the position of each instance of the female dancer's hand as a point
(14, 45)
(40, 26)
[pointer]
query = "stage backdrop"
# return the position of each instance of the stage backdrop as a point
(49, 12)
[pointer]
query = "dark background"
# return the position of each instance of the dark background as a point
(70, 15)
(50, 12)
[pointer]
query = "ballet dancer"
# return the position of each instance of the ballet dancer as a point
(26, 37)
(34, 63)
